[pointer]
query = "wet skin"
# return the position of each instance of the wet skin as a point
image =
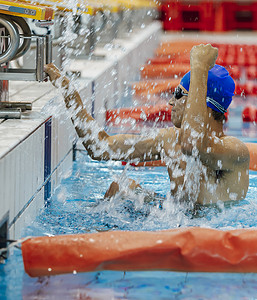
(204, 165)
(213, 184)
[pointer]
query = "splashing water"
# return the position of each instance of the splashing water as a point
(78, 205)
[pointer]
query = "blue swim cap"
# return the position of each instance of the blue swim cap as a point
(220, 88)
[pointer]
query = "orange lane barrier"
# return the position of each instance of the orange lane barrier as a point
(164, 71)
(192, 249)
(252, 147)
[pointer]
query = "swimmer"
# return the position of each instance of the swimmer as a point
(204, 165)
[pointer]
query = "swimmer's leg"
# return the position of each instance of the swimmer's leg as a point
(115, 188)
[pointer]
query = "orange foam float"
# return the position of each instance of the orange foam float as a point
(192, 249)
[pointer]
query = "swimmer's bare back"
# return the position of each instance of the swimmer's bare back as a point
(196, 137)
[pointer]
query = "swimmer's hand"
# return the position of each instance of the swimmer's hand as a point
(203, 56)
(53, 72)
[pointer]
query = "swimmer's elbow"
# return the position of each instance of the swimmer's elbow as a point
(95, 153)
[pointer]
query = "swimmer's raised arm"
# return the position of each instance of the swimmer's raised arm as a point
(98, 143)
(195, 122)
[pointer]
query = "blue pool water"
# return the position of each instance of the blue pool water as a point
(77, 207)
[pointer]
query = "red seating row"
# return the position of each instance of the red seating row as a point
(156, 113)
(157, 87)
(239, 60)
(209, 15)
(247, 89)
(238, 54)
(249, 114)
(239, 48)
(164, 71)
(229, 54)
(139, 114)
(169, 71)
(146, 87)
(251, 72)
(170, 57)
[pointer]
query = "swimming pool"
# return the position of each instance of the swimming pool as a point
(77, 207)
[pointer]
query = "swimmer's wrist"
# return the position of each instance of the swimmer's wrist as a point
(199, 66)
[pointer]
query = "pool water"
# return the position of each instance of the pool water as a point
(77, 206)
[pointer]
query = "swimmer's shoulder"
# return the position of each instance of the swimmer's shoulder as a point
(236, 148)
